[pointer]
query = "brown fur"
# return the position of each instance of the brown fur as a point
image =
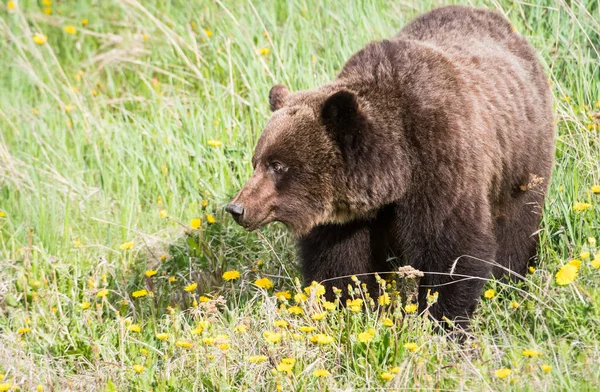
(420, 151)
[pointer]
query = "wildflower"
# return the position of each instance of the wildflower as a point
(386, 376)
(596, 261)
(102, 293)
(264, 51)
(2, 214)
(566, 274)
(592, 241)
(307, 329)
(355, 305)
(241, 328)
(195, 223)
(39, 39)
(321, 373)
(502, 373)
(578, 206)
(395, 370)
(23, 331)
(321, 338)
(411, 308)
(84, 22)
(214, 143)
(5, 387)
(190, 287)
(209, 341)
(162, 336)
(300, 297)
(150, 273)
(48, 11)
(411, 347)
(70, 30)
(163, 214)
(546, 368)
(134, 328)
(127, 245)
(318, 289)
(584, 255)
(531, 270)
(489, 294)
(85, 305)
(319, 316)
(139, 293)
(210, 219)
(39, 388)
(281, 323)
(284, 367)
(384, 299)
(264, 283)
(575, 263)
(204, 299)
(172, 279)
(273, 337)
(366, 337)
(596, 189)
(328, 305)
(283, 295)
(138, 368)
(531, 353)
(224, 346)
(207, 32)
(231, 275)
(388, 322)
(257, 358)
(183, 344)
(204, 203)
(515, 304)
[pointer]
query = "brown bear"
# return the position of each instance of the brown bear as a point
(432, 149)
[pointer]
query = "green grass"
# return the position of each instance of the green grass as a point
(95, 127)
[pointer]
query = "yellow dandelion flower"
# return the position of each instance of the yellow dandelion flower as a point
(84, 22)
(241, 328)
(584, 255)
(85, 305)
(139, 368)
(183, 344)
(204, 203)
(195, 223)
(139, 293)
(264, 283)
(10, 6)
(281, 323)
(102, 293)
(315, 287)
(575, 263)
(47, 3)
(197, 331)
(531, 353)
(388, 322)
(39, 388)
(210, 219)
(207, 32)
(319, 316)
(134, 328)
(2, 214)
(163, 214)
(395, 370)
(257, 358)
(515, 304)
(300, 298)
(546, 368)
(307, 329)
(231, 275)
(39, 39)
(190, 287)
(321, 373)
(273, 337)
(150, 273)
(5, 386)
(327, 305)
(224, 346)
(172, 279)
(578, 206)
(162, 336)
(23, 331)
(384, 299)
(283, 295)
(566, 274)
(47, 11)
(214, 143)
(204, 299)
(489, 294)
(321, 338)
(387, 376)
(596, 262)
(531, 270)
(366, 337)
(596, 189)
(591, 241)
(502, 373)
(127, 245)
(411, 347)
(264, 51)
(70, 30)
(285, 367)
(411, 308)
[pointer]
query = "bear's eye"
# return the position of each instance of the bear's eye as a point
(276, 167)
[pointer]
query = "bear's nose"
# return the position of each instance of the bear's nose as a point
(234, 209)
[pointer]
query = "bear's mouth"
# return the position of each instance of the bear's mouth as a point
(253, 226)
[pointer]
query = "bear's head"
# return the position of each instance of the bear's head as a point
(302, 160)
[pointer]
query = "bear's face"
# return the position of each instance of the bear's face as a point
(298, 161)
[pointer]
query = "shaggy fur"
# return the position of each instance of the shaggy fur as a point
(433, 148)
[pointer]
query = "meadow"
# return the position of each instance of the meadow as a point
(126, 126)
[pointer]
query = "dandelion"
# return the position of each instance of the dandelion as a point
(531, 353)
(190, 287)
(11, 6)
(183, 344)
(102, 293)
(388, 322)
(207, 32)
(596, 262)
(257, 358)
(264, 283)
(85, 305)
(531, 270)
(321, 338)
(210, 219)
(264, 51)
(489, 294)
(566, 274)
(307, 329)
(5, 387)
(386, 376)
(284, 367)
(502, 373)
(596, 188)
(328, 305)
(395, 370)
(162, 336)
(273, 337)
(321, 373)
(384, 299)
(84, 22)
(23, 331)
(283, 295)
(172, 279)
(127, 245)
(231, 275)
(515, 304)
(411, 347)
(139, 293)
(318, 289)
(163, 214)
(204, 203)
(39, 388)
(150, 273)
(134, 328)
(281, 323)
(214, 143)
(2, 214)
(300, 298)
(39, 39)
(319, 316)
(366, 337)
(546, 368)
(224, 346)
(241, 328)
(138, 368)
(411, 308)
(578, 206)
(195, 223)
(204, 299)
(591, 241)
(70, 30)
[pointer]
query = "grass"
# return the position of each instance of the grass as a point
(153, 108)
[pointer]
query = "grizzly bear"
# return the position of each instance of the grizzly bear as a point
(431, 149)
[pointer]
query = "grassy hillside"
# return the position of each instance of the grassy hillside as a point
(125, 126)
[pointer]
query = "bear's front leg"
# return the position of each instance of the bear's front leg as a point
(331, 253)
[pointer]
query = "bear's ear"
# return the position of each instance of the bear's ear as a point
(340, 110)
(277, 96)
